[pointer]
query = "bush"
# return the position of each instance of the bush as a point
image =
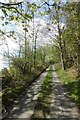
(7, 80)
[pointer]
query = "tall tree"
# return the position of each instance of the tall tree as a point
(78, 15)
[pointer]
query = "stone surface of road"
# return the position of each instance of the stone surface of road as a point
(61, 106)
(25, 107)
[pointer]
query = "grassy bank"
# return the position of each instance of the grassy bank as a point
(70, 81)
(44, 99)
(12, 88)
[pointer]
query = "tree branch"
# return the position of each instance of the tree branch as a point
(4, 33)
(11, 7)
(10, 4)
(48, 3)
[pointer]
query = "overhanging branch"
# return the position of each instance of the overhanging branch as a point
(10, 4)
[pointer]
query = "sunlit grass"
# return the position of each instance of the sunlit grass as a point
(70, 81)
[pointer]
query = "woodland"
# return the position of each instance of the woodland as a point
(58, 26)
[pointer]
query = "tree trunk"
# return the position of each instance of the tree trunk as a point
(60, 39)
(61, 47)
(78, 13)
(33, 41)
(62, 59)
(25, 51)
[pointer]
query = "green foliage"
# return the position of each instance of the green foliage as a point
(18, 63)
(6, 23)
(7, 80)
(27, 15)
(38, 6)
(25, 29)
(4, 11)
(2, 18)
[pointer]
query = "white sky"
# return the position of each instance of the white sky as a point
(43, 38)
